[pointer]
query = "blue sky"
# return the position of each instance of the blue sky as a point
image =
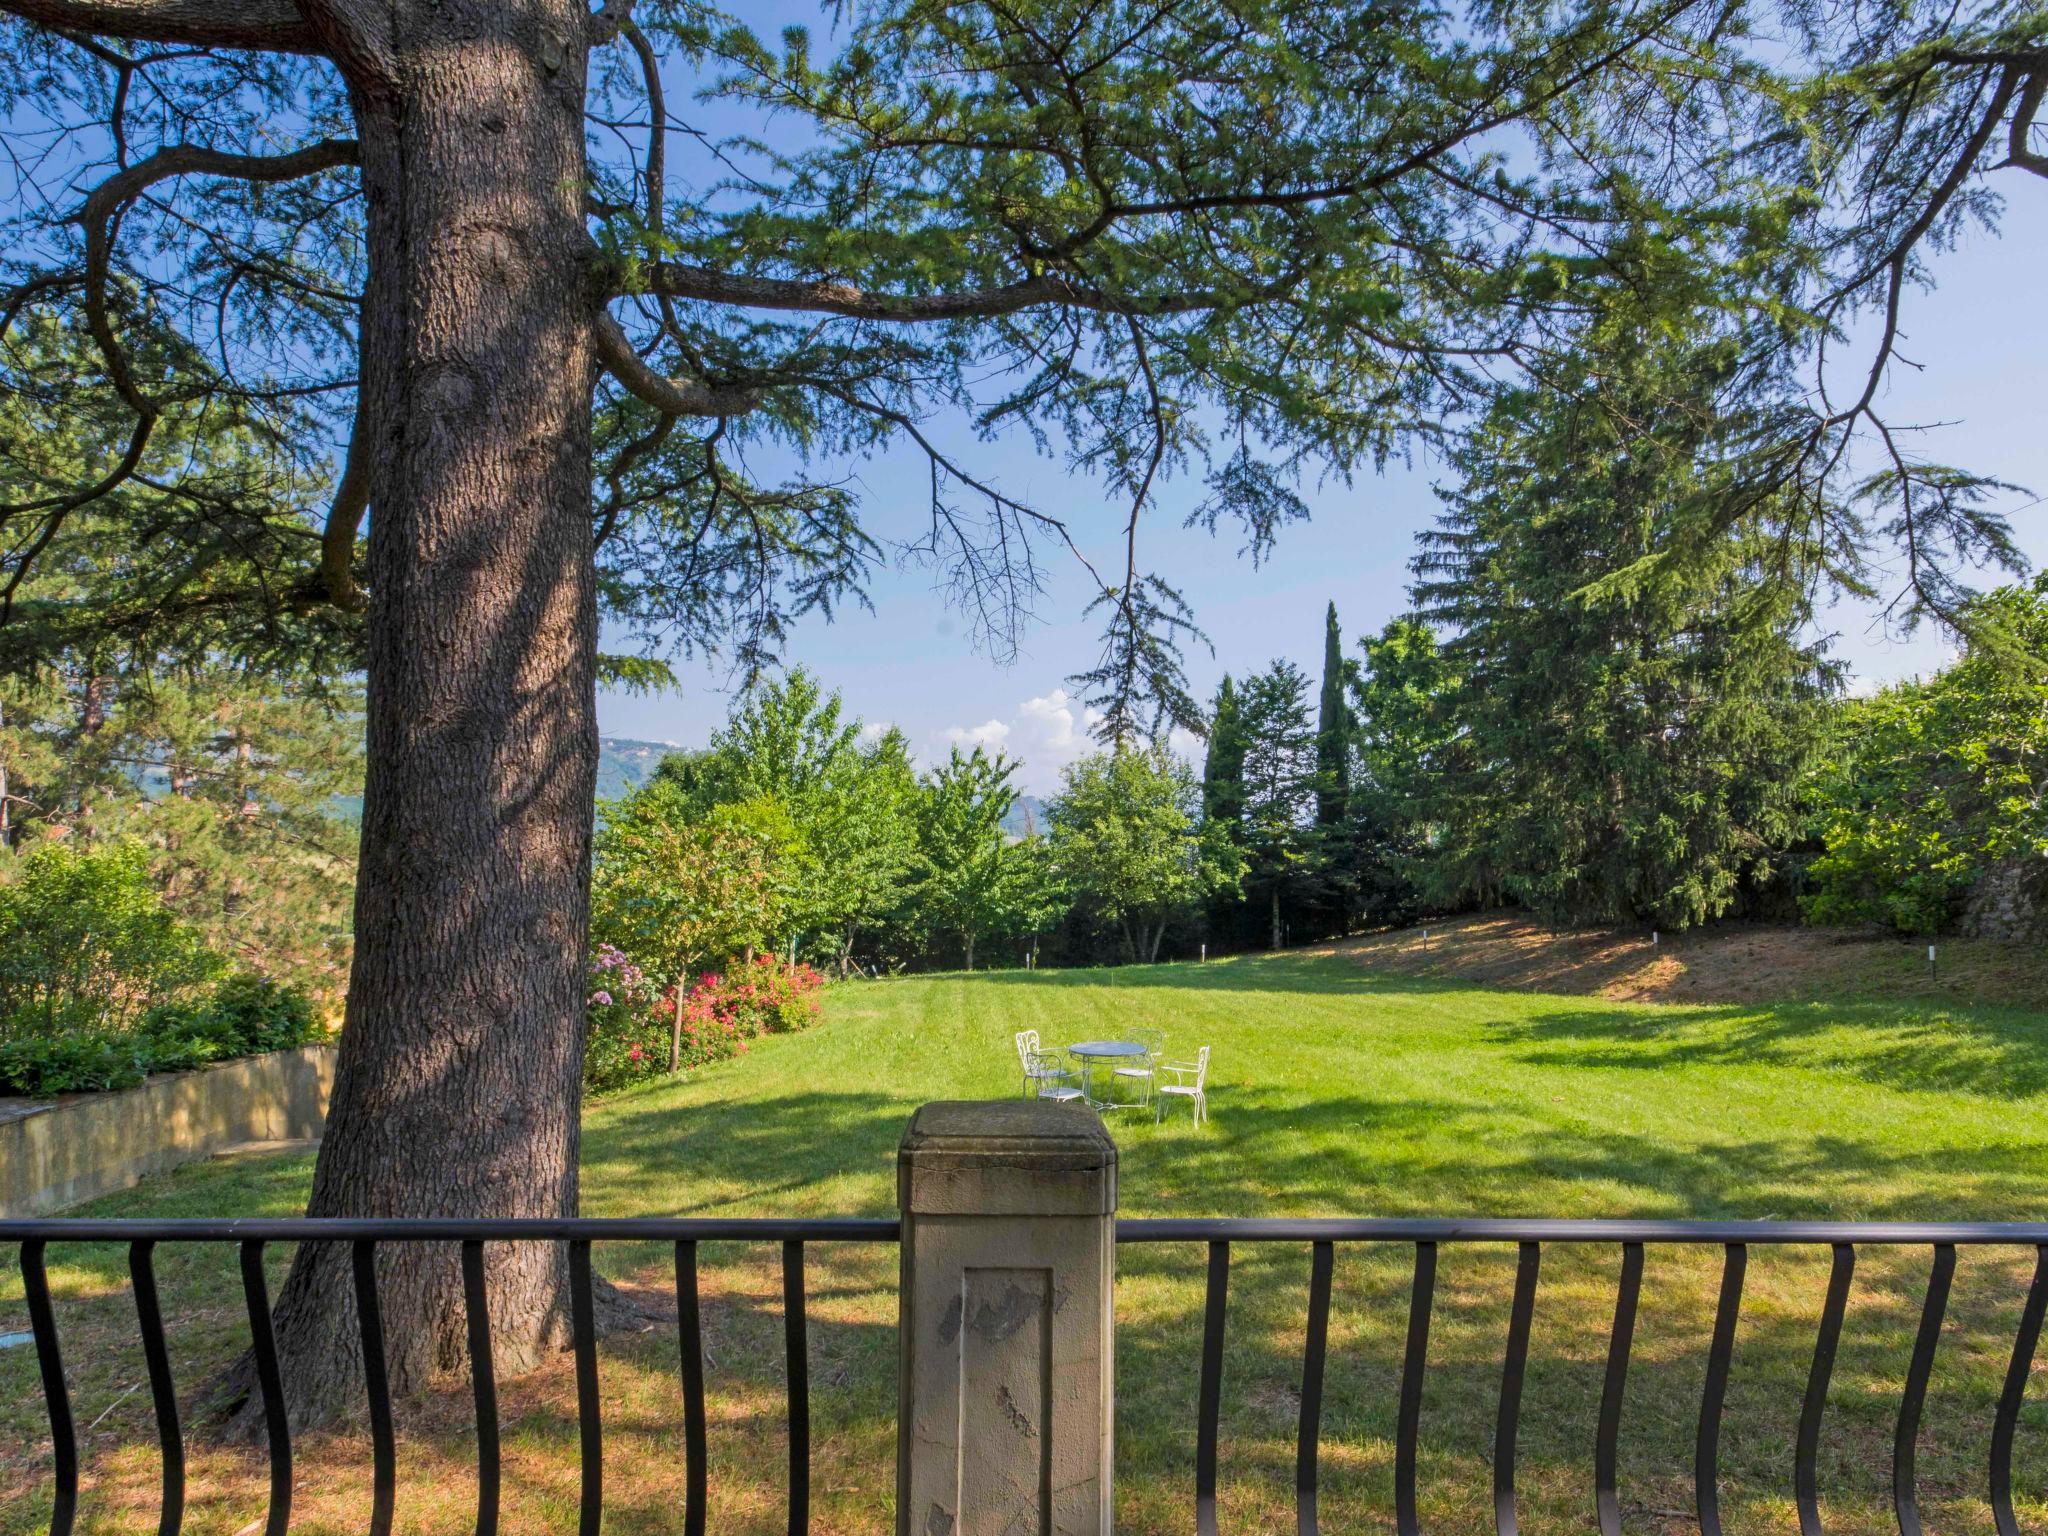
(1982, 381)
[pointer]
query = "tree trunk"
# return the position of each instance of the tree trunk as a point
(1158, 938)
(458, 1087)
(1276, 915)
(675, 1027)
(967, 938)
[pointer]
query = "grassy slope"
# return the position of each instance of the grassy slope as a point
(1337, 1089)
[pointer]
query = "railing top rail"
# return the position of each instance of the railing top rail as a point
(1177, 1229)
(1515, 1229)
(299, 1229)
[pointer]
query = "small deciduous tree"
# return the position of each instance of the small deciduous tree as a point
(849, 796)
(86, 942)
(961, 873)
(1128, 839)
(1933, 786)
(675, 889)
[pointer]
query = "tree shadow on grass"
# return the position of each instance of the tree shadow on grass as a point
(657, 1159)
(1264, 1154)
(1986, 1052)
(1282, 972)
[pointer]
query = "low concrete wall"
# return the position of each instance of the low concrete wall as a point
(58, 1153)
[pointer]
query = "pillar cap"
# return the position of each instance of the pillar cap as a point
(1017, 1157)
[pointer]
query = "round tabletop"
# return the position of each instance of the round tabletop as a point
(1106, 1048)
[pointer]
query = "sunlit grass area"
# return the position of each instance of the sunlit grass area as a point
(1335, 1091)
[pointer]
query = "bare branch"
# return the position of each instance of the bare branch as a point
(273, 26)
(344, 518)
(676, 397)
(2019, 146)
(829, 297)
(197, 160)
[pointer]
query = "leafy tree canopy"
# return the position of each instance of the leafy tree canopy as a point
(1930, 786)
(1129, 841)
(1225, 244)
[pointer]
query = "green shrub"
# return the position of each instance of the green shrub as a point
(626, 1042)
(245, 1015)
(73, 1062)
(86, 944)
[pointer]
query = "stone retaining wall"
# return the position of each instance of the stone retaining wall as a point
(60, 1152)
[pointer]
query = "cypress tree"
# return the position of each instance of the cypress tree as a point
(1223, 766)
(1333, 729)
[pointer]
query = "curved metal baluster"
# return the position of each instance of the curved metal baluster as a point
(1706, 1459)
(1413, 1363)
(797, 1351)
(690, 1342)
(1209, 1402)
(590, 1434)
(483, 1386)
(377, 1385)
(163, 1391)
(42, 1321)
(1905, 1442)
(1805, 1473)
(1315, 1348)
(1528, 1263)
(276, 1417)
(2015, 1392)
(1606, 1455)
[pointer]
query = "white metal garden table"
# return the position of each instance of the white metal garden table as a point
(1098, 1059)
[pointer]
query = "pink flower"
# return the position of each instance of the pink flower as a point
(600, 999)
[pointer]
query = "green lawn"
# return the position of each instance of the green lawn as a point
(1334, 1092)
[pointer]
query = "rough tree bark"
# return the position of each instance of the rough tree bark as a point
(457, 1085)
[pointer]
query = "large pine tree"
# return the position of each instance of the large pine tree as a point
(1283, 853)
(1629, 725)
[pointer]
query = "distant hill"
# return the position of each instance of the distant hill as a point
(624, 765)
(1026, 816)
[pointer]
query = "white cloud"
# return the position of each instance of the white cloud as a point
(1044, 734)
(990, 733)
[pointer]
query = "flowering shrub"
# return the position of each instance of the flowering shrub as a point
(628, 1038)
(631, 1022)
(723, 1011)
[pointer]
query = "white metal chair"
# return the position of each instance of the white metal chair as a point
(1190, 1077)
(1144, 1072)
(1039, 1066)
(1060, 1092)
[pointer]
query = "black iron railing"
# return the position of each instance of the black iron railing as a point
(363, 1237)
(1529, 1237)
(1735, 1238)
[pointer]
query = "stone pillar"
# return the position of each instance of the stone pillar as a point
(1009, 1259)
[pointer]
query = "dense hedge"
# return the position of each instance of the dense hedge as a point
(244, 1015)
(100, 985)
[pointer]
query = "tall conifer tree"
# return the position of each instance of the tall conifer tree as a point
(1223, 766)
(1629, 726)
(1333, 728)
